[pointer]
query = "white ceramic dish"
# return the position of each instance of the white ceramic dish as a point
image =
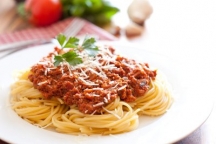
(189, 110)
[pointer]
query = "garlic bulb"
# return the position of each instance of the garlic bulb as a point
(139, 11)
(133, 29)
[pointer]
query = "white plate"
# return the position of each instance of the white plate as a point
(189, 110)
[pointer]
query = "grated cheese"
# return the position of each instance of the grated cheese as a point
(98, 104)
(41, 83)
(108, 95)
(105, 100)
(96, 95)
(123, 87)
(128, 65)
(140, 67)
(95, 72)
(98, 88)
(87, 82)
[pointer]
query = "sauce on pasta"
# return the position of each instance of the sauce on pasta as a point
(105, 94)
(95, 83)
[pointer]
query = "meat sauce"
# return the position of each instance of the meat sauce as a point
(94, 85)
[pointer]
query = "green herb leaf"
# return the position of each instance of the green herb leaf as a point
(92, 51)
(89, 46)
(61, 39)
(72, 58)
(73, 42)
(58, 60)
(88, 42)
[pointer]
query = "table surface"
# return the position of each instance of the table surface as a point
(203, 13)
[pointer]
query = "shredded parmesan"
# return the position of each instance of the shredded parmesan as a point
(87, 82)
(128, 65)
(123, 87)
(96, 95)
(140, 67)
(98, 104)
(95, 72)
(98, 88)
(108, 96)
(105, 100)
(93, 112)
(40, 83)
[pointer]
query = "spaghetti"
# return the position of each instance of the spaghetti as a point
(104, 95)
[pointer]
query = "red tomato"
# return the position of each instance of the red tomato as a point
(43, 12)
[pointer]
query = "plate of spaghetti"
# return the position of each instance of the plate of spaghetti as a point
(87, 92)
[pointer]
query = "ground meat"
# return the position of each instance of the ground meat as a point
(91, 88)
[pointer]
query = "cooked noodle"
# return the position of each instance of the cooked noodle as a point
(117, 117)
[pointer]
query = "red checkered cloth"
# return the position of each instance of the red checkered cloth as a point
(52, 31)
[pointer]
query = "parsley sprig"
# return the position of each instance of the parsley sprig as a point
(72, 56)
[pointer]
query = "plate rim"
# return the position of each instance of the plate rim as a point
(128, 45)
